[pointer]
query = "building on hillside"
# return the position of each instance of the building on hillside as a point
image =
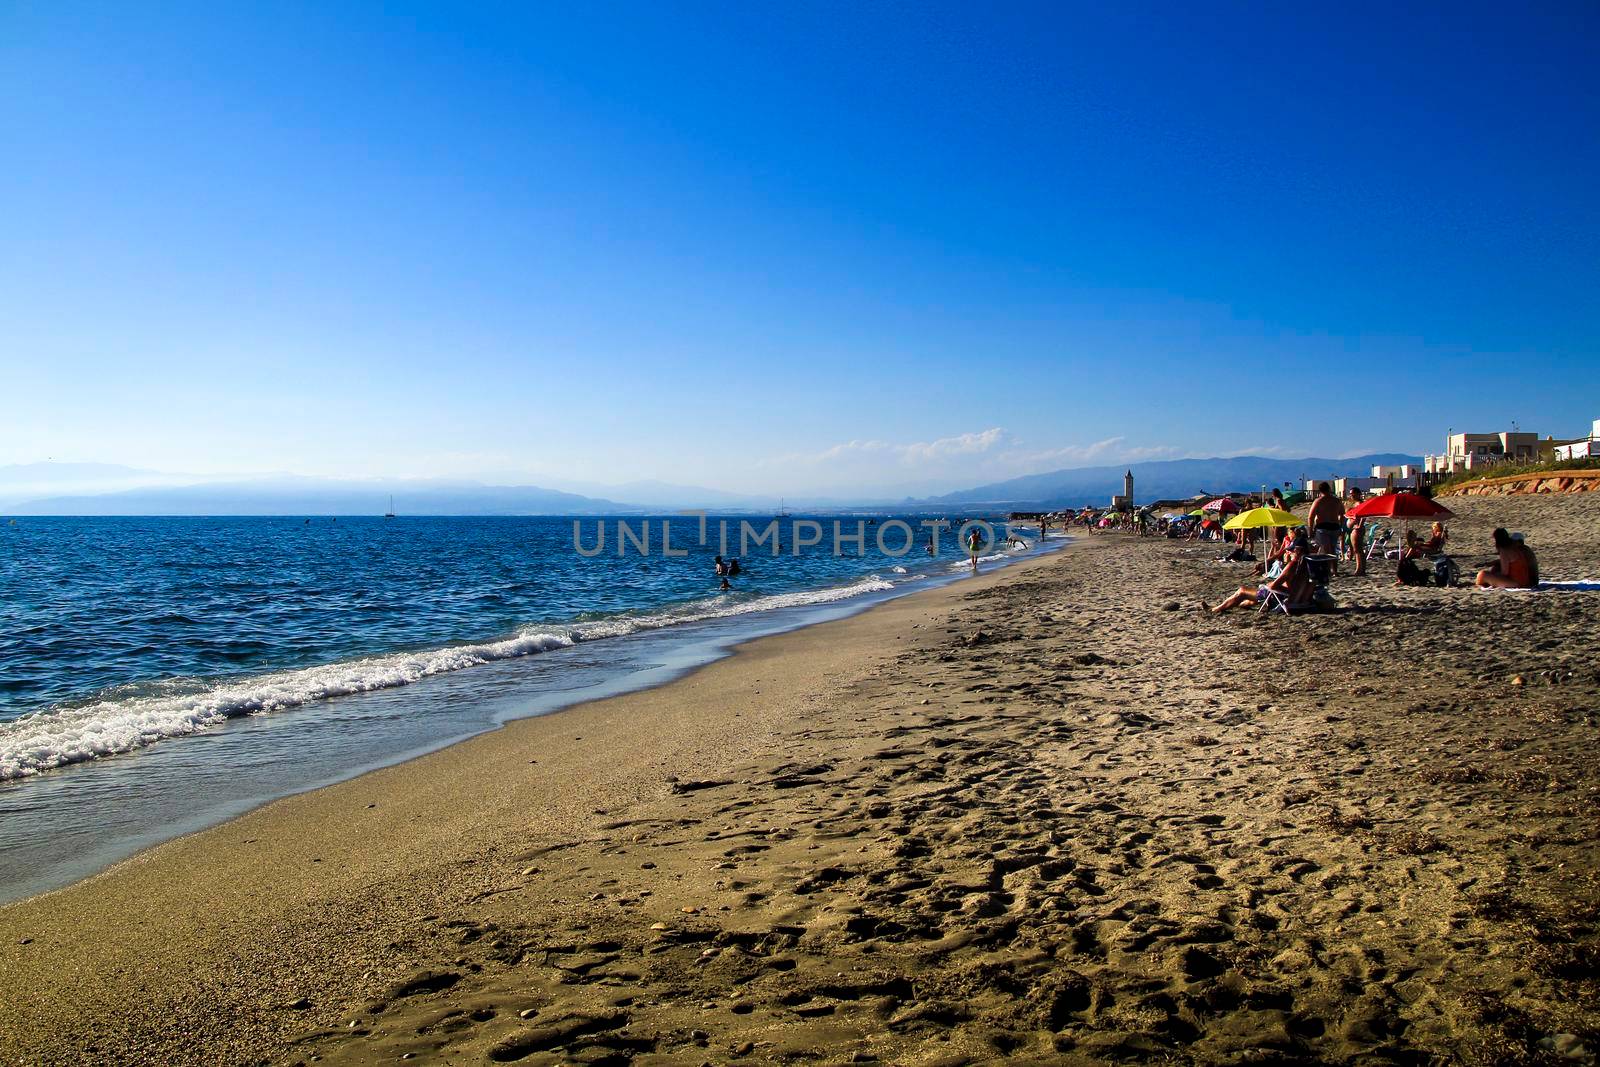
(1582, 448)
(1475, 451)
(1124, 501)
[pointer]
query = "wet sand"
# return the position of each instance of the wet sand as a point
(1052, 813)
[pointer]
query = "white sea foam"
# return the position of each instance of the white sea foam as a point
(123, 723)
(993, 557)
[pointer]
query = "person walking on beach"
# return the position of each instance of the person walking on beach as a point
(974, 546)
(1326, 521)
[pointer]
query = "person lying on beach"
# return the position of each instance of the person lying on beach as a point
(1518, 567)
(1292, 582)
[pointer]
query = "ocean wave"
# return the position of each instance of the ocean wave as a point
(121, 723)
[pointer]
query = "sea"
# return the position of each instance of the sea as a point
(161, 675)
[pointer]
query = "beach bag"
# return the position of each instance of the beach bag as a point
(1410, 574)
(1445, 571)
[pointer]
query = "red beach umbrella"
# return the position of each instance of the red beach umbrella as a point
(1400, 506)
(1222, 505)
(1404, 506)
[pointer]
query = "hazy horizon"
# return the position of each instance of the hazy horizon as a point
(31, 483)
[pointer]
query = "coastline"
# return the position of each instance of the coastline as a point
(1031, 814)
(334, 847)
(151, 795)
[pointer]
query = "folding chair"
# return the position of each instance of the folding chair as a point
(1272, 600)
(1377, 546)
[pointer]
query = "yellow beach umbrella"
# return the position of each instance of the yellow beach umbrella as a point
(1256, 518)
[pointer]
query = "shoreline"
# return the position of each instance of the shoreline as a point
(189, 798)
(1031, 815)
(218, 864)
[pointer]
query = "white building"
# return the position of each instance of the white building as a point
(1589, 449)
(1474, 451)
(1402, 476)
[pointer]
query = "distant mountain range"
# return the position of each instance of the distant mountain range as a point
(1173, 479)
(313, 496)
(100, 489)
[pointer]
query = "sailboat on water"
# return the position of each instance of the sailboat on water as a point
(390, 513)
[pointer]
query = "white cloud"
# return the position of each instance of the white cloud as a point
(1271, 451)
(956, 461)
(916, 454)
(1067, 455)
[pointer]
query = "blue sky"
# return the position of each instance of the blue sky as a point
(834, 247)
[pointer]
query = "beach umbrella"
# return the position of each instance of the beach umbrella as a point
(1260, 519)
(1222, 505)
(1403, 506)
(1400, 506)
(1197, 513)
(1256, 518)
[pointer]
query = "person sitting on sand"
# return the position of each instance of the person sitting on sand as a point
(1436, 539)
(1518, 567)
(1416, 547)
(1291, 582)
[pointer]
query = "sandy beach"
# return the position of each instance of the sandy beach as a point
(1052, 813)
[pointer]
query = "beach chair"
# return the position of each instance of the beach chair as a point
(1272, 600)
(1303, 587)
(1290, 599)
(1379, 543)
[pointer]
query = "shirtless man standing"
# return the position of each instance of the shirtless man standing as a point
(1518, 567)
(1326, 521)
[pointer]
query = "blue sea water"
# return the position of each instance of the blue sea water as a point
(158, 675)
